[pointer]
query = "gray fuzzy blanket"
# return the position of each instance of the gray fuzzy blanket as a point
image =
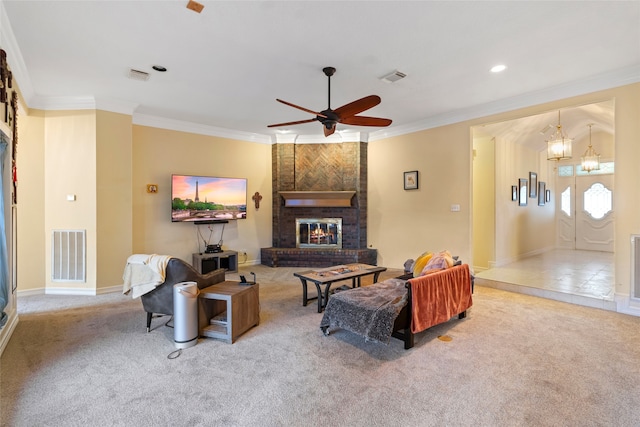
(369, 311)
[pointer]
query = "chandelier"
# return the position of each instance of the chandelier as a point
(590, 159)
(559, 145)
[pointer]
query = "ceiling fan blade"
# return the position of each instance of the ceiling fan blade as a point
(330, 130)
(365, 121)
(301, 108)
(293, 123)
(355, 107)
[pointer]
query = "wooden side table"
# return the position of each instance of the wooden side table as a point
(228, 309)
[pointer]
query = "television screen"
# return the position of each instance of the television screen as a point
(205, 198)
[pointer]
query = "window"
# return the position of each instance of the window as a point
(597, 201)
(565, 201)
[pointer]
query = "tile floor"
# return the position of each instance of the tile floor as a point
(579, 277)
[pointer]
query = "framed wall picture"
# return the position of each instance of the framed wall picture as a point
(542, 193)
(411, 180)
(533, 185)
(514, 192)
(522, 192)
(547, 196)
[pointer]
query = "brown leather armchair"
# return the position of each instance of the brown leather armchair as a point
(160, 300)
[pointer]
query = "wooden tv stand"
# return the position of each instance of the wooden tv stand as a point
(205, 262)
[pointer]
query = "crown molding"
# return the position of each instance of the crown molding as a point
(63, 102)
(620, 77)
(178, 125)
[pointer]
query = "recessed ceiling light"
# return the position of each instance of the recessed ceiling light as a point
(159, 68)
(498, 68)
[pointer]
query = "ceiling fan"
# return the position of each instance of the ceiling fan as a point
(345, 114)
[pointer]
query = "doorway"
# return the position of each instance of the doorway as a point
(532, 250)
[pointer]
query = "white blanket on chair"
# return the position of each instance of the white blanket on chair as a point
(143, 273)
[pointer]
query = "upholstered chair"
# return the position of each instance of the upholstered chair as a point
(160, 300)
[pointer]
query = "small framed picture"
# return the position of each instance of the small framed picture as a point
(533, 185)
(514, 192)
(547, 196)
(542, 193)
(522, 192)
(411, 180)
(152, 188)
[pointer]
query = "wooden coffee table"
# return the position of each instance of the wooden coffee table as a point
(327, 276)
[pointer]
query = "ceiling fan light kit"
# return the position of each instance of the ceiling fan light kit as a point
(347, 114)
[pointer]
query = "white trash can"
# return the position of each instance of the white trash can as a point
(185, 314)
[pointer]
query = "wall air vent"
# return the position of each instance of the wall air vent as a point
(68, 256)
(138, 75)
(393, 77)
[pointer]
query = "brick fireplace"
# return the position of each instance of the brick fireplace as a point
(319, 181)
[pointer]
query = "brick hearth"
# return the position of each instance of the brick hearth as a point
(311, 257)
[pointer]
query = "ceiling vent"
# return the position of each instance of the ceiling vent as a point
(393, 77)
(138, 75)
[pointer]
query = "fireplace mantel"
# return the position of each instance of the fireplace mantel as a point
(317, 198)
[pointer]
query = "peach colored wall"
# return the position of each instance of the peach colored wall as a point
(31, 176)
(405, 223)
(113, 187)
(70, 169)
(484, 202)
(159, 153)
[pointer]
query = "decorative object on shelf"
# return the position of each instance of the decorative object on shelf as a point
(256, 198)
(152, 188)
(559, 145)
(411, 180)
(590, 160)
(542, 186)
(533, 187)
(523, 195)
(514, 193)
(547, 196)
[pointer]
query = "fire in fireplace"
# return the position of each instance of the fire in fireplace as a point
(319, 233)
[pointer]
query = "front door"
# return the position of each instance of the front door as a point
(585, 215)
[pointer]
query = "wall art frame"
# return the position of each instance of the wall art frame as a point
(514, 193)
(533, 185)
(542, 193)
(411, 180)
(523, 195)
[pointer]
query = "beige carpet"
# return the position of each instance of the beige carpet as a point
(515, 360)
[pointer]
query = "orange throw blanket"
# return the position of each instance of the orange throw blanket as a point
(437, 297)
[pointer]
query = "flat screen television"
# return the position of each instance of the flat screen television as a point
(207, 199)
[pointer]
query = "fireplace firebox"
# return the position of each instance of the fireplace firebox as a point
(319, 233)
